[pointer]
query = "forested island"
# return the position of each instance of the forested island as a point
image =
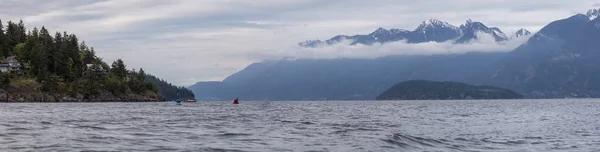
(39, 67)
(432, 90)
(169, 91)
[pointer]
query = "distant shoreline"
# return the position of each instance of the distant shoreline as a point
(81, 101)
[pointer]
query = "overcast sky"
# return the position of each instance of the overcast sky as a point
(186, 41)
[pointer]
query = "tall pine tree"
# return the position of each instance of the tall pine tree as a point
(21, 37)
(74, 53)
(118, 69)
(3, 45)
(57, 59)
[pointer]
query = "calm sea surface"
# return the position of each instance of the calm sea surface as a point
(495, 125)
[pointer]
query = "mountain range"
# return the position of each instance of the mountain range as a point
(558, 61)
(428, 31)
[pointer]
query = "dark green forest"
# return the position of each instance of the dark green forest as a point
(169, 91)
(433, 90)
(61, 64)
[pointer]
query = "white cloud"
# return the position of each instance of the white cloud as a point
(182, 41)
(485, 43)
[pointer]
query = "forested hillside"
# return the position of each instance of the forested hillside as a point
(169, 91)
(60, 68)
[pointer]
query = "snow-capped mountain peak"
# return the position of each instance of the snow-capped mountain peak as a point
(593, 14)
(521, 32)
(428, 31)
(471, 28)
(380, 31)
(434, 23)
(474, 25)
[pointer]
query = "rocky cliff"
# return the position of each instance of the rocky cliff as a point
(33, 92)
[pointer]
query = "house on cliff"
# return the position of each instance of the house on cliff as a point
(10, 65)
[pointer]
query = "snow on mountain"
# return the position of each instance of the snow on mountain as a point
(471, 28)
(429, 30)
(521, 32)
(434, 23)
(499, 33)
(593, 14)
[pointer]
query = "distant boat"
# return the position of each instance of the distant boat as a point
(190, 100)
(235, 101)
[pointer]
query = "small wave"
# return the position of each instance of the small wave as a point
(307, 123)
(220, 150)
(47, 146)
(163, 148)
(142, 134)
(46, 123)
(91, 127)
(18, 129)
(413, 142)
(7, 125)
(250, 140)
(233, 134)
(299, 122)
(134, 118)
(533, 137)
(104, 138)
(75, 121)
(507, 142)
(18, 122)
(288, 121)
(350, 130)
(461, 115)
(537, 143)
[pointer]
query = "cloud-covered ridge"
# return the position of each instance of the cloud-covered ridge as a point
(484, 43)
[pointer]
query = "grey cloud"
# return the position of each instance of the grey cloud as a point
(18, 9)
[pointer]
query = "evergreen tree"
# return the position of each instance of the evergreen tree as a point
(58, 59)
(3, 46)
(87, 55)
(10, 37)
(74, 52)
(141, 75)
(91, 81)
(21, 37)
(15, 34)
(70, 74)
(43, 63)
(31, 52)
(118, 69)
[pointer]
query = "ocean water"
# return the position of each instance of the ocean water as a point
(474, 125)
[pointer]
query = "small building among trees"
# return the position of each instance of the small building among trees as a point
(10, 65)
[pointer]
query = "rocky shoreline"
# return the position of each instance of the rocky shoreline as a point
(103, 97)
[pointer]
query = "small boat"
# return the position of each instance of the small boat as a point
(190, 100)
(235, 101)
